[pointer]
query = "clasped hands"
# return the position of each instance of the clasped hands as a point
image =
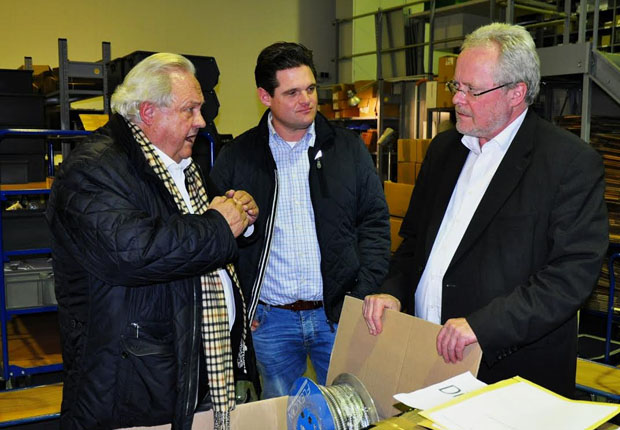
(238, 208)
(452, 339)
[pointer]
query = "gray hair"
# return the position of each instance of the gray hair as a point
(148, 81)
(518, 60)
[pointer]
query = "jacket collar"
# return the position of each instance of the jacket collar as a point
(505, 180)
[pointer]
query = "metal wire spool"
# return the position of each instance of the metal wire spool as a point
(345, 405)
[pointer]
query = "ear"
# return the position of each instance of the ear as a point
(518, 94)
(264, 96)
(147, 112)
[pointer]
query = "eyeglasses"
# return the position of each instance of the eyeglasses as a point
(454, 87)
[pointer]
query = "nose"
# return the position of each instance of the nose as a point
(199, 121)
(458, 97)
(304, 97)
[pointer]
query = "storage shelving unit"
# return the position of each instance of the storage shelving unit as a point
(9, 370)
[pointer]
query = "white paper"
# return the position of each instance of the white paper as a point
(441, 392)
(520, 406)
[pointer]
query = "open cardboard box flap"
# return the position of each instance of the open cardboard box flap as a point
(402, 358)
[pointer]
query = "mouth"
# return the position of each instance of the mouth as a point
(191, 138)
(462, 114)
(306, 111)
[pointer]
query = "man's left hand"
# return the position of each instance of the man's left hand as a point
(247, 201)
(452, 339)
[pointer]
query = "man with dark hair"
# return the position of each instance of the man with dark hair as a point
(152, 319)
(324, 225)
(507, 225)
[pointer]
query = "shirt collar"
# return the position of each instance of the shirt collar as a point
(502, 140)
(308, 137)
(170, 163)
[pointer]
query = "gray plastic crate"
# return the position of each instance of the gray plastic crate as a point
(29, 283)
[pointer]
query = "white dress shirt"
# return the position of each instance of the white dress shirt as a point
(177, 171)
(477, 172)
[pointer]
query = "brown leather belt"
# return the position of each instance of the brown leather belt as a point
(299, 305)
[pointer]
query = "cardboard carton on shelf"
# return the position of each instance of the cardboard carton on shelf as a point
(412, 149)
(397, 196)
(444, 96)
(405, 172)
(368, 107)
(402, 358)
(447, 66)
(348, 112)
(370, 139)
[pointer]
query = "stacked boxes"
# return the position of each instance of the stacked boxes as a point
(411, 153)
(438, 95)
(397, 196)
(340, 102)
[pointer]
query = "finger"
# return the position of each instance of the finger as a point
(368, 316)
(460, 348)
(452, 347)
(230, 194)
(377, 315)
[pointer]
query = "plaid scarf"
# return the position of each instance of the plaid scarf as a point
(215, 324)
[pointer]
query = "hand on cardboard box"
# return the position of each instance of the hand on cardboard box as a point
(452, 339)
(373, 308)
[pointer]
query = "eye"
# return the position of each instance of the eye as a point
(311, 89)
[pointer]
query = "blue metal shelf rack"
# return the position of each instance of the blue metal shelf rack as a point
(8, 370)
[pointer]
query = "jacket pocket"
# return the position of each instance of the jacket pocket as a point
(148, 373)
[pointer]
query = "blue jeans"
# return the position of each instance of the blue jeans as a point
(283, 341)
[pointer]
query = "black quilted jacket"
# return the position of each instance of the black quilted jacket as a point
(351, 215)
(130, 346)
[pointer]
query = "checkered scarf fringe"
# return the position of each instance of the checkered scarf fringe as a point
(215, 324)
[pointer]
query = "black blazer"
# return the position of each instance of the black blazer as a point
(529, 258)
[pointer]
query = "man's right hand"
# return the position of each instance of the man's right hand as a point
(233, 212)
(373, 308)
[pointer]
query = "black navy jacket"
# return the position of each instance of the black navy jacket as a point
(131, 346)
(351, 216)
(529, 258)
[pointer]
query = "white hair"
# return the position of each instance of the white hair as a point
(149, 80)
(518, 60)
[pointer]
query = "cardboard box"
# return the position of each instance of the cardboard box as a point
(395, 224)
(340, 105)
(370, 139)
(339, 95)
(444, 96)
(417, 167)
(405, 150)
(447, 65)
(368, 107)
(365, 89)
(405, 172)
(401, 359)
(397, 196)
(327, 110)
(348, 112)
(412, 149)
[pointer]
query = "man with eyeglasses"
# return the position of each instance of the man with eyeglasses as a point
(507, 226)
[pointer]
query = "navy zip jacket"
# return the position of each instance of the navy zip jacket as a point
(351, 215)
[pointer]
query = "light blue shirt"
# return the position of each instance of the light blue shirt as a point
(294, 266)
